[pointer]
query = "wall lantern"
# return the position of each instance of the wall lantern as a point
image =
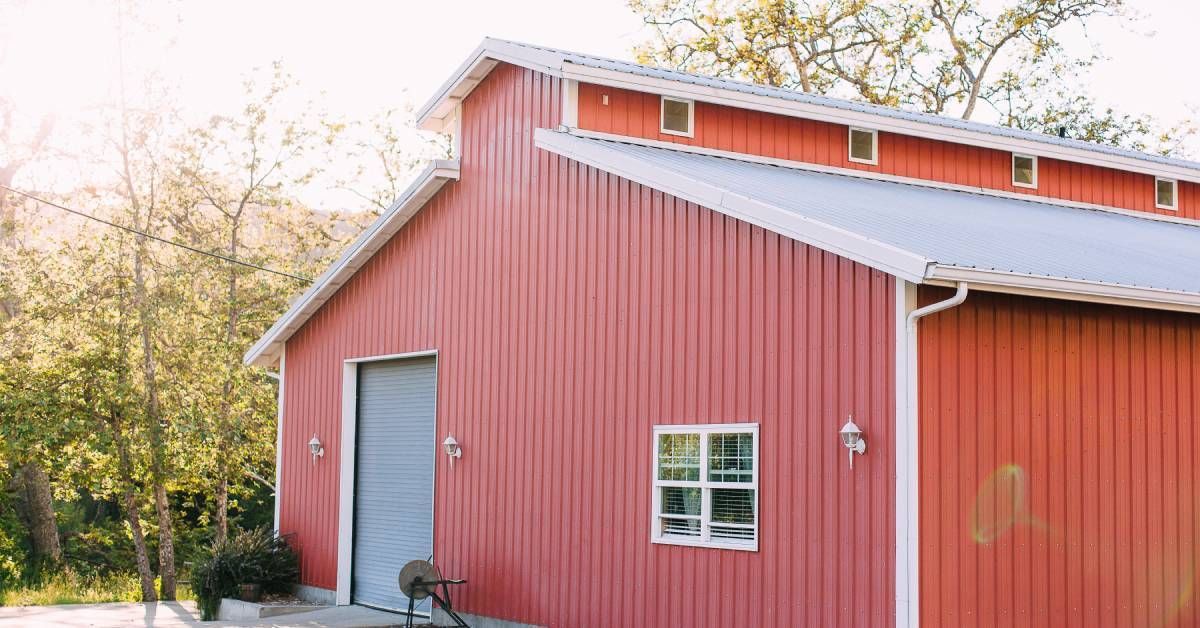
(452, 449)
(315, 448)
(853, 439)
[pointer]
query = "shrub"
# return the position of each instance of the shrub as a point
(249, 557)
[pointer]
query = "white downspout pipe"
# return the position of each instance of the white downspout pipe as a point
(908, 601)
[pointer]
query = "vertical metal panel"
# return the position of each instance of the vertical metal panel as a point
(1058, 478)
(572, 311)
(393, 485)
(784, 137)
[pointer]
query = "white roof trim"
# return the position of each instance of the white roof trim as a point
(266, 351)
(882, 256)
(879, 176)
(438, 112)
(888, 258)
(1069, 289)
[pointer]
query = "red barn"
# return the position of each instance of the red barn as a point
(645, 303)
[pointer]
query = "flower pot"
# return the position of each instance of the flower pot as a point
(249, 592)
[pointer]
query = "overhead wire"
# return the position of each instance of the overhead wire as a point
(225, 258)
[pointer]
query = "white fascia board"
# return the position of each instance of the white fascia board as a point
(1062, 288)
(266, 350)
(879, 255)
(437, 112)
(812, 111)
(878, 176)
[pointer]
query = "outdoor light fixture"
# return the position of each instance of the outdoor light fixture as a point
(315, 448)
(853, 440)
(452, 449)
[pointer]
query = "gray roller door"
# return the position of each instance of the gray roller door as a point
(393, 501)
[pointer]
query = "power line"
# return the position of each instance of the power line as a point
(225, 258)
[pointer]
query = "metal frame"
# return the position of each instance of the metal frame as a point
(704, 430)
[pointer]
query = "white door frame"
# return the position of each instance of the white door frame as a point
(349, 425)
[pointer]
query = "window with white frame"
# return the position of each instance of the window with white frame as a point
(1024, 171)
(677, 116)
(706, 485)
(1164, 193)
(864, 143)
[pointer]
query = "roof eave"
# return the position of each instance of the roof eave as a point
(438, 112)
(1064, 288)
(265, 352)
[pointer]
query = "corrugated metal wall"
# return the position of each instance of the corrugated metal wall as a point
(1058, 464)
(729, 128)
(573, 311)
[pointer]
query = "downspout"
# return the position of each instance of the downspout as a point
(908, 601)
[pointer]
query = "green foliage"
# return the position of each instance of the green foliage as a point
(13, 547)
(949, 57)
(249, 557)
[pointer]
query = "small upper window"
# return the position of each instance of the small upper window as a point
(706, 485)
(863, 145)
(677, 116)
(1024, 171)
(1165, 193)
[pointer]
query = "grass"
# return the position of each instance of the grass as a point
(68, 587)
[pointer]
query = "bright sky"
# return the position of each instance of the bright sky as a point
(367, 56)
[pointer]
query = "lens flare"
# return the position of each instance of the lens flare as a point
(1000, 505)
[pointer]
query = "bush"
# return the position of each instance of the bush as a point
(249, 557)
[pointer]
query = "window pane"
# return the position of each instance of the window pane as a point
(862, 145)
(1166, 193)
(675, 115)
(731, 457)
(1023, 170)
(733, 505)
(678, 500)
(679, 457)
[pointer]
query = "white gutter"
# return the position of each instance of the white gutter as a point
(908, 504)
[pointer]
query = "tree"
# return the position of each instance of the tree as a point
(936, 56)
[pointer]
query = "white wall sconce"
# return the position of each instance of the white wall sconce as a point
(315, 448)
(853, 439)
(452, 449)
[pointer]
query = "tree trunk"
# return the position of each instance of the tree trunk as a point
(166, 544)
(38, 501)
(222, 504)
(135, 525)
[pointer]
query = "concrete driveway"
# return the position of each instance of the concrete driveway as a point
(173, 614)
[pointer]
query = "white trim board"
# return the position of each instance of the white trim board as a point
(833, 239)
(279, 433)
(908, 573)
(904, 264)
(264, 352)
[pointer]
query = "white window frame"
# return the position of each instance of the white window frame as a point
(1174, 193)
(662, 116)
(874, 160)
(705, 486)
(1013, 171)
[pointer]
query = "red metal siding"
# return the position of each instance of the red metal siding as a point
(728, 128)
(1058, 472)
(574, 310)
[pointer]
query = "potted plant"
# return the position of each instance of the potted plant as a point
(244, 566)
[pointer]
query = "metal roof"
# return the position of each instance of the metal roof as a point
(946, 228)
(554, 61)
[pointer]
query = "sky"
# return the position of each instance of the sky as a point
(367, 56)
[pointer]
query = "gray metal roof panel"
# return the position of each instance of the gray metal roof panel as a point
(850, 105)
(958, 228)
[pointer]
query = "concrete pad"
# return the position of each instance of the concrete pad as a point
(176, 614)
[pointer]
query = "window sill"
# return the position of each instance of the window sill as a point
(751, 546)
